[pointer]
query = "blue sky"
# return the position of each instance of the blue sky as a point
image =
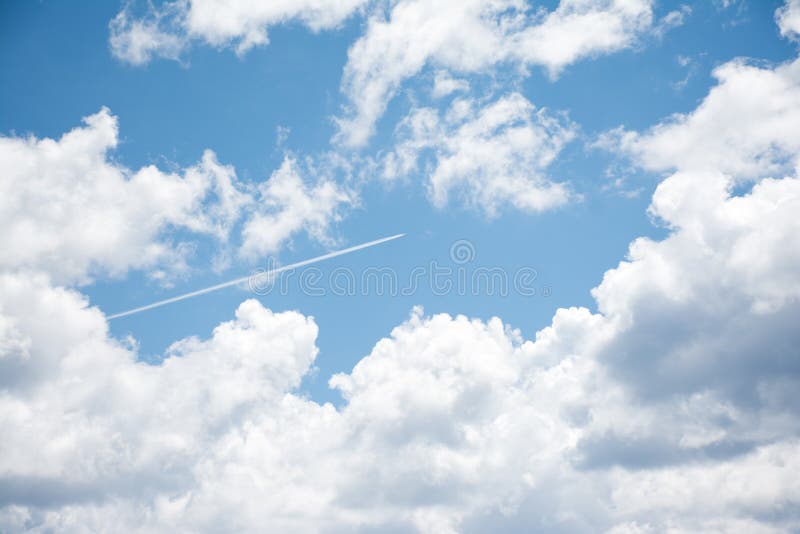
(288, 100)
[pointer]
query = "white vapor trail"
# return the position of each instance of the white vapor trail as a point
(270, 273)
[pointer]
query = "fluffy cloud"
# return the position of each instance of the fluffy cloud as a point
(472, 37)
(742, 246)
(288, 204)
(401, 38)
(112, 431)
(71, 211)
(137, 41)
(744, 250)
(450, 424)
(672, 407)
(167, 30)
(748, 126)
(488, 154)
(444, 84)
(788, 18)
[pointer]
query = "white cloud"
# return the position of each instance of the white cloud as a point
(113, 431)
(137, 41)
(472, 37)
(488, 154)
(748, 126)
(167, 30)
(672, 408)
(709, 303)
(450, 424)
(580, 28)
(788, 18)
(71, 211)
(657, 413)
(287, 204)
(723, 497)
(741, 248)
(401, 38)
(671, 20)
(444, 84)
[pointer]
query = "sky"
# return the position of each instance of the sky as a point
(589, 324)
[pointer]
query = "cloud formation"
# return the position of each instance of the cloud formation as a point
(458, 40)
(747, 127)
(288, 203)
(488, 154)
(70, 210)
(672, 407)
(474, 37)
(73, 212)
(170, 28)
(400, 39)
(788, 18)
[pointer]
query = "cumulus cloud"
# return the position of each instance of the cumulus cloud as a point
(166, 30)
(743, 134)
(400, 39)
(450, 424)
(70, 210)
(788, 18)
(672, 407)
(713, 305)
(110, 429)
(489, 154)
(287, 204)
(748, 126)
(473, 37)
(73, 212)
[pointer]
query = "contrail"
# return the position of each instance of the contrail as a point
(272, 272)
